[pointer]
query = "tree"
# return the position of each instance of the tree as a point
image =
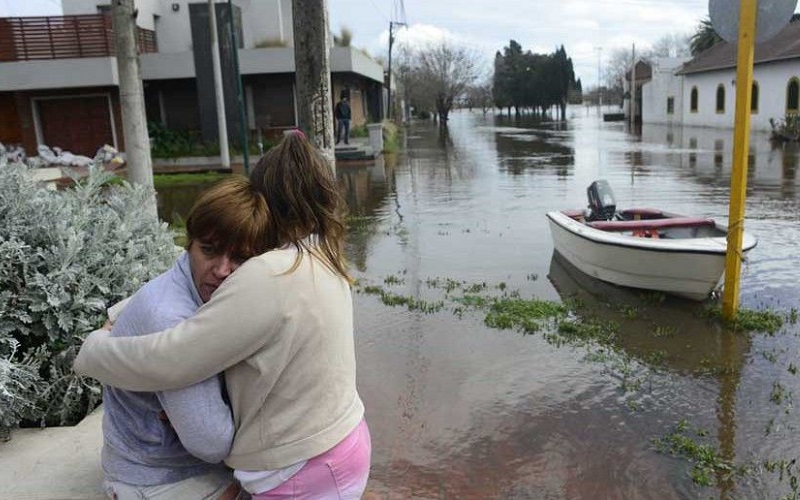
(480, 96)
(617, 65)
(524, 80)
(564, 79)
(439, 75)
(670, 45)
(704, 37)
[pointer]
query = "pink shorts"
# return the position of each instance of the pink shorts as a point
(339, 473)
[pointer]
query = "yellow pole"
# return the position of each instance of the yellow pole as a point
(741, 143)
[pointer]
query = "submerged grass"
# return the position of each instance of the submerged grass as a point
(570, 323)
(708, 467)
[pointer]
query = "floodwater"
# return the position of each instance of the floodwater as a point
(461, 410)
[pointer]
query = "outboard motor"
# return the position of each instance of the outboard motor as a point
(602, 205)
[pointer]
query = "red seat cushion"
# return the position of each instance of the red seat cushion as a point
(650, 224)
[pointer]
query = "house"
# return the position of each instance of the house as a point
(642, 74)
(662, 97)
(702, 92)
(59, 82)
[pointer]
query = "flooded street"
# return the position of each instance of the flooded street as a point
(658, 402)
(458, 409)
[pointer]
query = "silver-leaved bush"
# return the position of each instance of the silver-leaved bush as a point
(65, 256)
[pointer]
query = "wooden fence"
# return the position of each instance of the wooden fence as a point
(61, 37)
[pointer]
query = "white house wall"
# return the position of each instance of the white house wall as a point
(59, 74)
(656, 92)
(261, 20)
(772, 79)
(147, 9)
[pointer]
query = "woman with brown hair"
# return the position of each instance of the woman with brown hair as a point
(281, 327)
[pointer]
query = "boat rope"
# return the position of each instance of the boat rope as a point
(739, 222)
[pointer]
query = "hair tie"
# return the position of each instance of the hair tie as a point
(299, 133)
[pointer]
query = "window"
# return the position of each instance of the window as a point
(670, 105)
(754, 99)
(720, 98)
(693, 100)
(792, 92)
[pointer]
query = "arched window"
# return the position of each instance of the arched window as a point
(792, 94)
(754, 99)
(720, 98)
(693, 100)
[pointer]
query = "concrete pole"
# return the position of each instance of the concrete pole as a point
(131, 95)
(633, 88)
(312, 73)
(222, 126)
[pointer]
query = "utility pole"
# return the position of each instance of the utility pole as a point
(599, 91)
(312, 73)
(240, 91)
(131, 95)
(222, 126)
(633, 88)
(392, 24)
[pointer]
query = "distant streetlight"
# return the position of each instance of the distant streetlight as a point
(599, 88)
(392, 24)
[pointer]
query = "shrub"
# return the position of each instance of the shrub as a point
(391, 137)
(786, 129)
(166, 143)
(65, 256)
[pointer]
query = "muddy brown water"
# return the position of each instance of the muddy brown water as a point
(461, 410)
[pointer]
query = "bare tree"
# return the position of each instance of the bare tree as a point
(618, 63)
(439, 75)
(670, 45)
(480, 96)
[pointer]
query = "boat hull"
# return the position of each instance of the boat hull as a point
(690, 267)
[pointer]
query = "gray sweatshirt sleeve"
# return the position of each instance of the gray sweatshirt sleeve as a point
(201, 419)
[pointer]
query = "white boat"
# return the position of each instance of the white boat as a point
(643, 248)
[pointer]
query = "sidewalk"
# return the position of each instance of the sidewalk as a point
(55, 463)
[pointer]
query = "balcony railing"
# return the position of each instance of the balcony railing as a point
(62, 37)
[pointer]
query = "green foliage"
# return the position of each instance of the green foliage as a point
(65, 256)
(192, 179)
(521, 314)
(749, 320)
(268, 43)
(166, 143)
(528, 80)
(707, 466)
(704, 37)
(359, 131)
(391, 137)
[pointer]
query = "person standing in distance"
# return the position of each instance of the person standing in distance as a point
(342, 114)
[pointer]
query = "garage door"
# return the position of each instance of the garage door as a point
(9, 120)
(78, 124)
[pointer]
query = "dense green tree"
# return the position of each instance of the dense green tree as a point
(704, 38)
(538, 82)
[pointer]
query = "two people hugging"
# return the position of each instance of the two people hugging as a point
(242, 351)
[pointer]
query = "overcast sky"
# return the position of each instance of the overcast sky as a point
(588, 29)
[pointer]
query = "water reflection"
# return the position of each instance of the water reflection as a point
(525, 144)
(665, 333)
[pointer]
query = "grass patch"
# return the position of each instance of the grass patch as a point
(707, 466)
(749, 320)
(170, 180)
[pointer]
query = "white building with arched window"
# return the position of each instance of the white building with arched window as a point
(703, 91)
